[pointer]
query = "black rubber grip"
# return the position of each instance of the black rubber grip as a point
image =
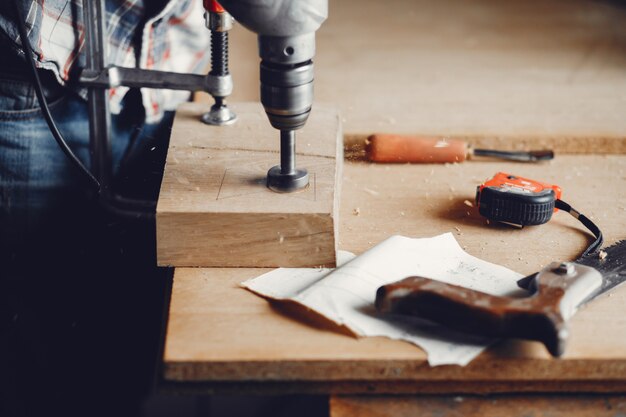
(516, 207)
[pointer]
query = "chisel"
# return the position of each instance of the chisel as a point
(432, 150)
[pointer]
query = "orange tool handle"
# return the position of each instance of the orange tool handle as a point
(419, 149)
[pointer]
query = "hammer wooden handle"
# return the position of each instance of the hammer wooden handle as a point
(559, 289)
(415, 149)
(478, 313)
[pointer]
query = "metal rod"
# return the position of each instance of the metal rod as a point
(287, 152)
(97, 100)
(138, 77)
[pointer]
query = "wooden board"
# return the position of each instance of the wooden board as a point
(222, 337)
(498, 73)
(214, 207)
(472, 406)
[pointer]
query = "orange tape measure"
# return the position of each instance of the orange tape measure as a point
(521, 201)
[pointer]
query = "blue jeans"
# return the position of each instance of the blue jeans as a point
(81, 297)
(38, 185)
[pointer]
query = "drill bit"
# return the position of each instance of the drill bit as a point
(285, 177)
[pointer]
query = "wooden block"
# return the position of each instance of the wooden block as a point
(214, 209)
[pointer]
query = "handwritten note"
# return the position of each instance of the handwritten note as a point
(346, 294)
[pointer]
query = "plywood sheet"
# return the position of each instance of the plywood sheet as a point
(220, 334)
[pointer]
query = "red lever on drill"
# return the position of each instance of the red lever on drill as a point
(213, 6)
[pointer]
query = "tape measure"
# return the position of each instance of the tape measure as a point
(522, 202)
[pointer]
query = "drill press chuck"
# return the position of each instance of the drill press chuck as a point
(287, 93)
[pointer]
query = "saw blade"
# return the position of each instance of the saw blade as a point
(611, 263)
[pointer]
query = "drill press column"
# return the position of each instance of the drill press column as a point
(219, 22)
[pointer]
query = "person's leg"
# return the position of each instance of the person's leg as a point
(80, 295)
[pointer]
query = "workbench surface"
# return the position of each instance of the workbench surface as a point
(498, 73)
(222, 337)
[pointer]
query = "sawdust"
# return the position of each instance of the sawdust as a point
(356, 211)
(602, 255)
(468, 203)
(370, 191)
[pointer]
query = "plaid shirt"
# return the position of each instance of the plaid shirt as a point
(172, 39)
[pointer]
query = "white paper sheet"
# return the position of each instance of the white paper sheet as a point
(346, 295)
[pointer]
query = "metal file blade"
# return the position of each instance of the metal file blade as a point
(612, 267)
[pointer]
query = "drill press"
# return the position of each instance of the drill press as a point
(205, 223)
(286, 31)
(214, 210)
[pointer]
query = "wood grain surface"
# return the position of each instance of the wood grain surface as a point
(223, 337)
(215, 209)
(474, 406)
(537, 73)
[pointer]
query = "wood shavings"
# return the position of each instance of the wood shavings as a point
(356, 211)
(468, 203)
(457, 229)
(370, 191)
(602, 255)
